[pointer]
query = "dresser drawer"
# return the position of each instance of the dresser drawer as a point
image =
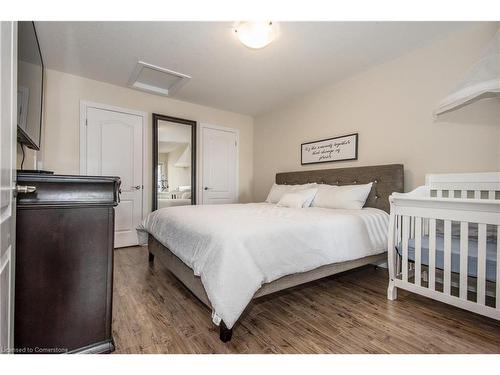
(64, 190)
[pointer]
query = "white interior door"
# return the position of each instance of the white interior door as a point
(113, 147)
(219, 165)
(8, 129)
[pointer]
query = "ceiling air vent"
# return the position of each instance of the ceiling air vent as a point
(156, 80)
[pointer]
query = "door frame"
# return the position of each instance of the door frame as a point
(10, 256)
(86, 104)
(200, 158)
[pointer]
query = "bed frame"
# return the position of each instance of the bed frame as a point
(386, 180)
(456, 199)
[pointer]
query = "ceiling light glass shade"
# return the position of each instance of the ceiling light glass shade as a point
(256, 34)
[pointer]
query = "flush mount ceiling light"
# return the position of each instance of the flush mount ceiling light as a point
(256, 34)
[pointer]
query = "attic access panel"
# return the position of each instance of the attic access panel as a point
(156, 80)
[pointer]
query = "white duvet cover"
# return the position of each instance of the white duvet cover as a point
(236, 248)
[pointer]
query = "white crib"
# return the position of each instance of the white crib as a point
(460, 263)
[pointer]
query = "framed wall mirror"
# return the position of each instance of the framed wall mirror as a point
(174, 161)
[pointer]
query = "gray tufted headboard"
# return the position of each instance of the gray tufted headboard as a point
(386, 180)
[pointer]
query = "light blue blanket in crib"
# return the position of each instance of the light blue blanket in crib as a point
(491, 255)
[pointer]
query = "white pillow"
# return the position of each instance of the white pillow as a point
(277, 191)
(347, 196)
(298, 198)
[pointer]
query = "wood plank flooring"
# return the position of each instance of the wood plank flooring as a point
(348, 313)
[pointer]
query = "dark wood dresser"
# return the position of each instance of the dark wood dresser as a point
(64, 263)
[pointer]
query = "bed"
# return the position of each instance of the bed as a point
(229, 254)
(443, 241)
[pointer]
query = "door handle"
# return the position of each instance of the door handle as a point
(138, 187)
(206, 188)
(24, 189)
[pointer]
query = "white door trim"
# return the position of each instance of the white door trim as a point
(84, 105)
(8, 94)
(199, 158)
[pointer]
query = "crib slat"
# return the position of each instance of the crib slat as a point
(447, 257)
(481, 264)
(400, 228)
(497, 300)
(418, 251)
(464, 255)
(477, 194)
(396, 229)
(463, 194)
(439, 193)
(406, 233)
(491, 194)
(432, 254)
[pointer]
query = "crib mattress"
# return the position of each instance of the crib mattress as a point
(491, 255)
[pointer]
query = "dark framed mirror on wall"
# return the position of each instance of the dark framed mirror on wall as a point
(174, 161)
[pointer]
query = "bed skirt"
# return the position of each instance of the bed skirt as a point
(194, 284)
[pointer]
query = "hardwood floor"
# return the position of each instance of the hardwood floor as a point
(348, 313)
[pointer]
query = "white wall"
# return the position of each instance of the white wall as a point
(177, 176)
(391, 107)
(63, 93)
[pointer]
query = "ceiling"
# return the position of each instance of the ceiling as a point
(225, 74)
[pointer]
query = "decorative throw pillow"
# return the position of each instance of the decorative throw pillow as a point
(298, 198)
(277, 191)
(347, 196)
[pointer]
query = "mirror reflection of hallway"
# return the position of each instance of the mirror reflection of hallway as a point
(174, 161)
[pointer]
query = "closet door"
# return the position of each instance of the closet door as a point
(113, 147)
(219, 165)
